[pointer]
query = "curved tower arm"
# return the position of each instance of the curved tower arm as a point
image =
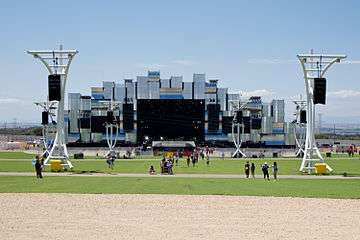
(43, 61)
(328, 66)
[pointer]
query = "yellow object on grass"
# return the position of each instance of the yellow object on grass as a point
(55, 165)
(320, 168)
(169, 154)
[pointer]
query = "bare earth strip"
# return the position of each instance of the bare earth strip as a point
(90, 216)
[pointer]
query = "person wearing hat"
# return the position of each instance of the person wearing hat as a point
(265, 170)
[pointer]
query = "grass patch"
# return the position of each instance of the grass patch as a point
(217, 166)
(16, 155)
(184, 186)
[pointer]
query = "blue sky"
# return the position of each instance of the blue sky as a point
(250, 45)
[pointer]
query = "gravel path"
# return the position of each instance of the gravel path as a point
(91, 216)
(181, 175)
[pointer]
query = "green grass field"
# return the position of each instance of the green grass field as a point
(323, 188)
(21, 162)
(238, 187)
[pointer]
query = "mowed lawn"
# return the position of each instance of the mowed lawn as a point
(21, 162)
(184, 186)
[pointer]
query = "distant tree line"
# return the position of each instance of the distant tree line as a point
(338, 137)
(33, 131)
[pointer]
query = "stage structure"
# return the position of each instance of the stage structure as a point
(57, 62)
(314, 68)
(48, 109)
(111, 125)
(300, 126)
(238, 123)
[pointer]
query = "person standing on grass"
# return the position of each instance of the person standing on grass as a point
(252, 170)
(170, 166)
(42, 162)
(193, 159)
(207, 160)
(275, 170)
(152, 170)
(265, 170)
(176, 158)
(188, 161)
(247, 169)
(38, 168)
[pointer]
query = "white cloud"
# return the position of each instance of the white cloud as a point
(151, 66)
(258, 92)
(289, 61)
(271, 61)
(350, 62)
(11, 101)
(345, 93)
(184, 62)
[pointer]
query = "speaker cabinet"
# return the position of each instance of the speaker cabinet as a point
(246, 122)
(239, 117)
(320, 91)
(54, 87)
(227, 124)
(98, 124)
(110, 117)
(84, 122)
(303, 116)
(128, 116)
(44, 118)
(213, 116)
(256, 123)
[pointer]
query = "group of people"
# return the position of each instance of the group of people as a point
(196, 154)
(166, 166)
(351, 150)
(167, 163)
(250, 169)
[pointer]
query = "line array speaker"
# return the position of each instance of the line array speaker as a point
(303, 116)
(319, 91)
(54, 87)
(44, 118)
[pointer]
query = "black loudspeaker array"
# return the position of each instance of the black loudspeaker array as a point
(54, 87)
(227, 124)
(45, 118)
(246, 122)
(84, 122)
(303, 116)
(110, 117)
(319, 90)
(256, 123)
(128, 116)
(98, 124)
(213, 116)
(239, 117)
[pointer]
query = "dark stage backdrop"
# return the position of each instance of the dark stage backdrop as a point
(172, 119)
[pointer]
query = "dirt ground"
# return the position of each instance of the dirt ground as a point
(86, 216)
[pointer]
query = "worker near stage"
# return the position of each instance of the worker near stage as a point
(252, 170)
(275, 170)
(38, 167)
(265, 170)
(247, 169)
